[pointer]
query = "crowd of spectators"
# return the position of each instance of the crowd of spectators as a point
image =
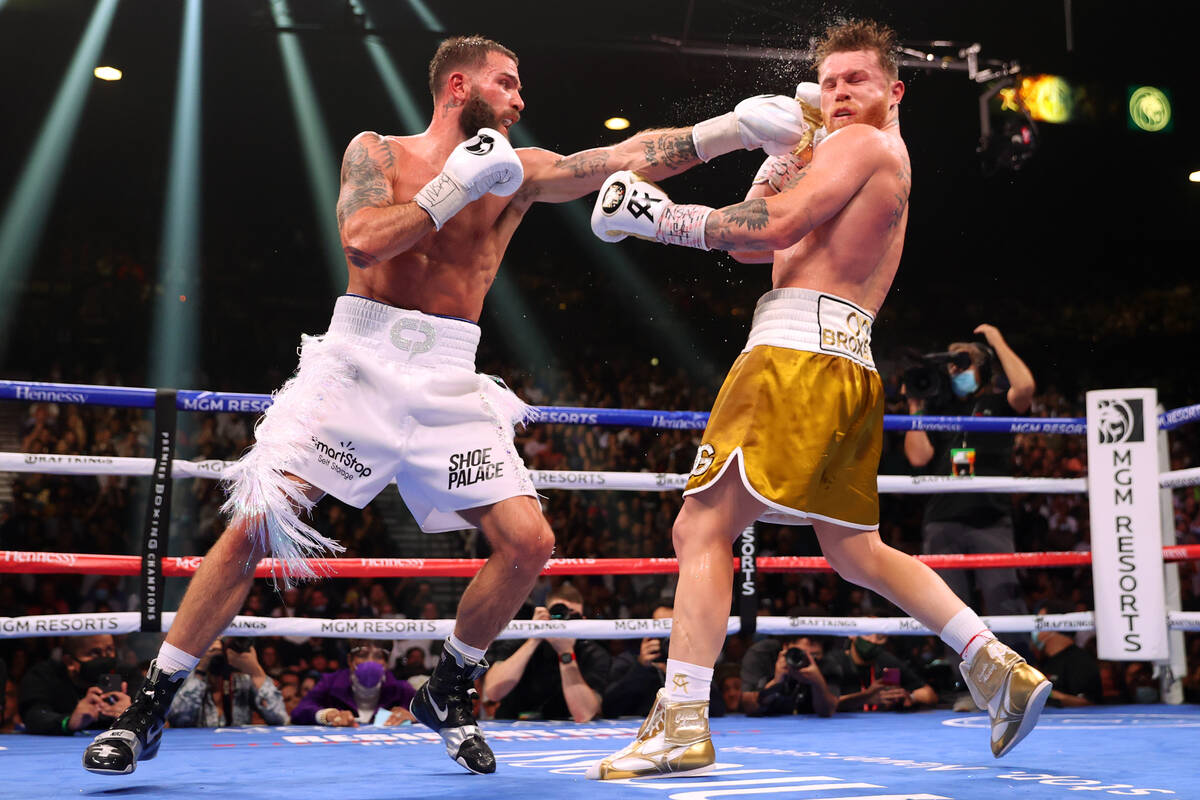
(103, 515)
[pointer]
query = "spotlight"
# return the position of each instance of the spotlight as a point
(616, 123)
(107, 73)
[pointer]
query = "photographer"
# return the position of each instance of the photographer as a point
(84, 690)
(870, 678)
(960, 383)
(785, 677)
(226, 688)
(550, 678)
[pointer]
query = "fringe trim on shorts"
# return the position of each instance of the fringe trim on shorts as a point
(259, 491)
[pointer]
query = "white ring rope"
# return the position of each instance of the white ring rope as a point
(125, 622)
(582, 479)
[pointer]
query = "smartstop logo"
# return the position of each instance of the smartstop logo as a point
(341, 459)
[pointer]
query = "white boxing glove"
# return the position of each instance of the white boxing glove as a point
(627, 205)
(484, 163)
(773, 122)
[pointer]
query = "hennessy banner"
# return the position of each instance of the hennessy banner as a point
(1127, 565)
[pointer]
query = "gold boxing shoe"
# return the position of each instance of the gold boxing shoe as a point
(674, 740)
(1012, 692)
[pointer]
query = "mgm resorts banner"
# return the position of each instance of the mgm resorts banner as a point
(1127, 565)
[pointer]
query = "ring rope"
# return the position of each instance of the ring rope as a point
(587, 480)
(125, 622)
(50, 563)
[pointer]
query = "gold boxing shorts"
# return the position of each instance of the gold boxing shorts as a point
(801, 413)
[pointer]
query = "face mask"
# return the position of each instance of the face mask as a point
(368, 674)
(1145, 694)
(964, 384)
(867, 651)
(90, 671)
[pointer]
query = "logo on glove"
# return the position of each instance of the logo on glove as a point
(482, 147)
(613, 197)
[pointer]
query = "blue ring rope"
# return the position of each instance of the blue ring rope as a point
(195, 400)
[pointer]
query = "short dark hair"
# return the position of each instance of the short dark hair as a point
(863, 34)
(461, 51)
(565, 591)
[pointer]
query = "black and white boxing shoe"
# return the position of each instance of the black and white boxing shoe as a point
(137, 732)
(444, 704)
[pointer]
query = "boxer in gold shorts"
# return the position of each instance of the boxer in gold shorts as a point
(796, 431)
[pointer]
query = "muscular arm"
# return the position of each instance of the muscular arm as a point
(372, 226)
(504, 675)
(551, 178)
(582, 700)
(849, 158)
(1020, 379)
(758, 190)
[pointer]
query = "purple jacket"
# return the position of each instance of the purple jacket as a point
(333, 691)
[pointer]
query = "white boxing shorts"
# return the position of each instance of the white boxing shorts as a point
(385, 393)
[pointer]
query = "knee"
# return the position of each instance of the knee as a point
(531, 544)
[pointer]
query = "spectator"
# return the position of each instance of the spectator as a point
(227, 688)
(869, 678)
(1140, 685)
(1074, 672)
(636, 678)
(551, 678)
(82, 691)
(354, 696)
(783, 676)
(729, 683)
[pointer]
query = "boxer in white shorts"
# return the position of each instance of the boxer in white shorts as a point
(386, 393)
(391, 389)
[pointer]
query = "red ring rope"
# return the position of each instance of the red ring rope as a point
(29, 562)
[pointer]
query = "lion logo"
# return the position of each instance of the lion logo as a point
(1119, 421)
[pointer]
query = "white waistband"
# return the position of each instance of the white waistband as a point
(817, 322)
(404, 335)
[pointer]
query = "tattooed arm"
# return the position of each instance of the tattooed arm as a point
(551, 178)
(372, 228)
(848, 160)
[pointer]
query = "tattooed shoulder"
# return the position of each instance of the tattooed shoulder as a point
(365, 182)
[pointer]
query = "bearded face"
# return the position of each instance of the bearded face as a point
(477, 114)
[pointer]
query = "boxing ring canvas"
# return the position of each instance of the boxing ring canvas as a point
(1110, 751)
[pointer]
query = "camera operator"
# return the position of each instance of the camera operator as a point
(550, 678)
(227, 686)
(783, 676)
(971, 523)
(86, 689)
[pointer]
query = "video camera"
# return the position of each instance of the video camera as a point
(929, 378)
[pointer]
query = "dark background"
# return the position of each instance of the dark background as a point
(1085, 257)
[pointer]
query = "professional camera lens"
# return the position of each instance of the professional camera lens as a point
(562, 611)
(796, 658)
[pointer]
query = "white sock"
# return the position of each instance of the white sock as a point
(175, 662)
(470, 655)
(687, 681)
(966, 634)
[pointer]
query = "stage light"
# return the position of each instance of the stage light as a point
(174, 347)
(107, 73)
(314, 142)
(24, 219)
(1149, 109)
(616, 123)
(1194, 177)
